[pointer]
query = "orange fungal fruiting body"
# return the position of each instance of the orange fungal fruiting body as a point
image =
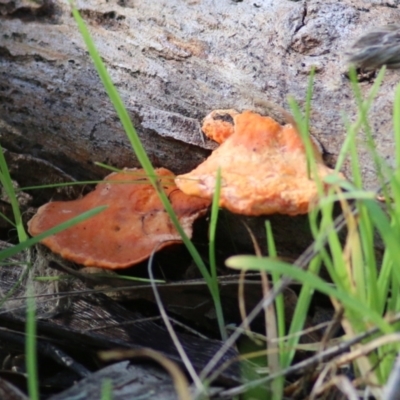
(218, 125)
(263, 169)
(132, 226)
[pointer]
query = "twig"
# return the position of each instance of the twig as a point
(185, 359)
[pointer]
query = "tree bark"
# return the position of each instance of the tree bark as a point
(173, 61)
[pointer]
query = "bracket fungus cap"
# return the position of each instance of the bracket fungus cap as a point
(263, 166)
(126, 233)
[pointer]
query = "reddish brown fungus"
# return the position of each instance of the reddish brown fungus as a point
(133, 225)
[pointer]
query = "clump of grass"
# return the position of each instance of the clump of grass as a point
(367, 291)
(25, 243)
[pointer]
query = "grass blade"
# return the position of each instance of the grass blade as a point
(264, 264)
(30, 347)
(141, 153)
(65, 225)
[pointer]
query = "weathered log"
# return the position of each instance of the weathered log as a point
(173, 61)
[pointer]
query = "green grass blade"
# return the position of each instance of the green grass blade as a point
(213, 225)
(396, 127)
(353, 129)
(58, 185)
(305, 277)
(30, 348)
(6, 181)
(108, 167)
(134, 138)
(139, 149)
(30, 242)
(7, 219)
(390, 237)
(107, 390)
(279, 383)
(279, 302)
(303, 124)
(300, 315)
(369, 266)
(305, 136)
(212, 257)
(395, 180)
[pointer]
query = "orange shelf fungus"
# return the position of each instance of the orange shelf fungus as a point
(219, 125)
(263, 166)
(133, 225)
